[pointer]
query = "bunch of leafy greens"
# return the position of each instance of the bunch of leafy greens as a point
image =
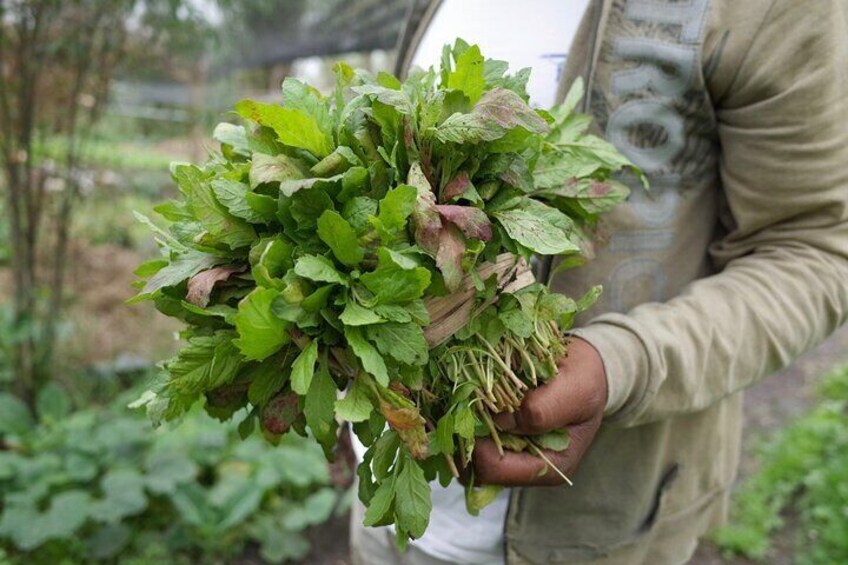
(304, 254)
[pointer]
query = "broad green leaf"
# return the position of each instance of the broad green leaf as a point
(412, 499)
(338, 234)
(356, 315)
(356, 405)
(319, 409)
(357, 210)
(212, 215)
(266, 379)
(385, 454)
(392, 283)
(123, 495)
(271, 259)
(233, 195)
(300, 96)
(293, 127)
(396, 207)
(232, 135)
(379, 511)
(15, 417)
(371, 359)
(468, 76)
(205, 363)
(52, 403)
(535, 233)
(318, 268)
(497, 112)
(397, 99)
(273, 168)
(403, 342)
(303, 368)
(179, 269)
(260, 332)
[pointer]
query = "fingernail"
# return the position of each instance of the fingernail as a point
(505, 421)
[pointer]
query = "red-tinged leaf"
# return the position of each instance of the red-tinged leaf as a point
(456, 187)
(425, 216)
(200, 285)
(472, 221)
(449, 257)
(409, 425)
(280, 413)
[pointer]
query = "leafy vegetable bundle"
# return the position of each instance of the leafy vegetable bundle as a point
(376, 242)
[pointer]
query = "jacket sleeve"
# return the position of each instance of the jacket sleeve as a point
(783, 283)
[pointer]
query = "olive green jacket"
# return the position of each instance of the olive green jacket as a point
(734, 263)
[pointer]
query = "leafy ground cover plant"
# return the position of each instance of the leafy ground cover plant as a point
(376, 241)
(96, 484)
(802, 470)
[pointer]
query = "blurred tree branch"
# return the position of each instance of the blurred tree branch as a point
(56, 63)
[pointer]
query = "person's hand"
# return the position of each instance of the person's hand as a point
(574, 400)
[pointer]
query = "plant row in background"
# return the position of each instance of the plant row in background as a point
(98, 483)
(802, 472)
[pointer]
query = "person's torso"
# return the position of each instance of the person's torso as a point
(647, 64)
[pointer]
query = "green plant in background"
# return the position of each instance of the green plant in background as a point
(803, 469)
(97, 483)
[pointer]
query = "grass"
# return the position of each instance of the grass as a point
(802, 472)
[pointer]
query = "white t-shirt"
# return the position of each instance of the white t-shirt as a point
(524, 33)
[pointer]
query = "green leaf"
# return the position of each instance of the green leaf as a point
(464, 422)
(468, 76)
(232, 135)
(181, 268)
(319, 409)
(412, 498)
(396, 207)
(205, 363)
(397, 99)
(123, 495)
(303, 368)
(266, 379)
(233, 195)
(273, 168)
(556, 440)
(212, 215)
(260, 332)
(385, 453)
(300, 96)
(318, 268)
(52, 403)
(356, 315)
(271, 258)
(357, 210)
(379, 511)
(371, 359)
(477, 498)
(356, 405)
(338, 234)
(444, 434)
(535, 233)
(391, 283)
(403, 342)
(14, 416)
(498, 111)
(293, 127)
